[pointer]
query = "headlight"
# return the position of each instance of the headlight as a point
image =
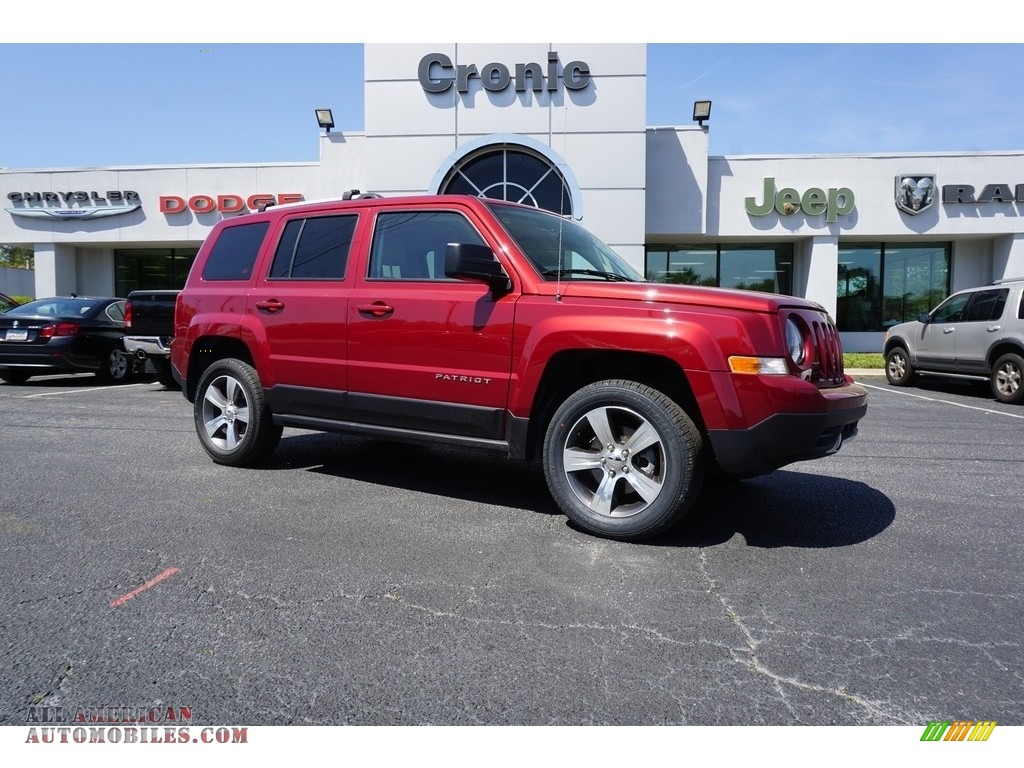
(795, 342)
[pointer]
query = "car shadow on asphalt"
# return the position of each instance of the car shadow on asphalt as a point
(457, 473)
(936, 385)
(76, 381)
(58, 381)
(784, 509)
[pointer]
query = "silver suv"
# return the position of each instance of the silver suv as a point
(977, 333)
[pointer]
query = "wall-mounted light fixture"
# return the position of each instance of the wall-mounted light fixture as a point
(325, 119)
(701, 112)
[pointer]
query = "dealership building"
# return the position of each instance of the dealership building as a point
(875, 238)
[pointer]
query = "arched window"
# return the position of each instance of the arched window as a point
(512, 173)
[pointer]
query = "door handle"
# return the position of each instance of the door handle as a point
(377, 309)
(269, 305)
(993, 328)
(948, 330)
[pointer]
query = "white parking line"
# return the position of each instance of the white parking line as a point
(939, 400)
(90, 389)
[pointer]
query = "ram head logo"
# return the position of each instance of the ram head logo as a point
(915, 193)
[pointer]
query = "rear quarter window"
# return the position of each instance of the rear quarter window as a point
(233, 255)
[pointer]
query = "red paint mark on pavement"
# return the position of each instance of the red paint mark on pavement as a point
(139, 590)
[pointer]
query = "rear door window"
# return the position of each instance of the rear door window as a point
(987, 305)
(314, 249)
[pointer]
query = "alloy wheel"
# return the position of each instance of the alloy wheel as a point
(225, 412)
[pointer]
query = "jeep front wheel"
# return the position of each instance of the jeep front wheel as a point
(231, 415)
(623, 460)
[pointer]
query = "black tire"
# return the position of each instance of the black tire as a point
(898, 369)
(623, 486)
(231, 415)
(164, 374)
(116, 367)
(1008, 379)
(15, 377)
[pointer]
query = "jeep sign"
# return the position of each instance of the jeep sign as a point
(833, 203)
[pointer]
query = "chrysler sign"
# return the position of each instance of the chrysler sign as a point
(57, 205)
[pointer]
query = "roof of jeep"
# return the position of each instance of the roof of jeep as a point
(368, 198)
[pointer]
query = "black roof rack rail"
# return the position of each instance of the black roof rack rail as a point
(355, 194)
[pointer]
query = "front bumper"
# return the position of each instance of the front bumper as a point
(783, 439)
(797, 422)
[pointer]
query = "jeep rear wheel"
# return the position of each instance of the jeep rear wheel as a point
(623, 460)
(231, 415)
(1008, 378)
(165, 374)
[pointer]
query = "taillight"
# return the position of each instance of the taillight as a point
(58, 329)
(128, 314)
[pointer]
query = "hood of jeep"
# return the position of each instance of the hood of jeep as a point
(665, 293)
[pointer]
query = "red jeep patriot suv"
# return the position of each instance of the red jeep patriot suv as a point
(499, 327)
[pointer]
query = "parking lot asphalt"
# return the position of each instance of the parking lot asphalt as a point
(367, 583)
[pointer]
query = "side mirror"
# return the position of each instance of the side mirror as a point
(468, 261)
(924, 317)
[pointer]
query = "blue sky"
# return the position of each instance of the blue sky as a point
(75, 96)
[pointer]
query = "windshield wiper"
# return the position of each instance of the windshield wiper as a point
(591, 272)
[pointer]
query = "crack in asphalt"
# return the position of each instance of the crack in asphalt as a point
(779, 681)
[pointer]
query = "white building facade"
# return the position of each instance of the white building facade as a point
(876, 239)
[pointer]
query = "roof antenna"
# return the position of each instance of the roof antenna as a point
(561, 202)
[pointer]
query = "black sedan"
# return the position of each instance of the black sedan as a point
(64, 334)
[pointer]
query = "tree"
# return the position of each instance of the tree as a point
(19, 258)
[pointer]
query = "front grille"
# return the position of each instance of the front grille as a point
(828, 366)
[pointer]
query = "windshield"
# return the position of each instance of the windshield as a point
(560, 249)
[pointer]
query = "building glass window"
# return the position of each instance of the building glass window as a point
(151, 269)
(514, 174)
(759, 268)
(858, 288)
(916, 280)
(684, 265)
(879, 286)
(766, 268)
